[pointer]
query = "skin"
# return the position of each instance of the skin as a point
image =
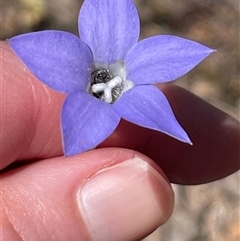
(45, 196)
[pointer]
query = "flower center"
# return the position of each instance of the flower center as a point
(109, 86)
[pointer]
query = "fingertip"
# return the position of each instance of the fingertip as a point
(105, 194)
(113, 199)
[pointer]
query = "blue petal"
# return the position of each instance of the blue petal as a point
(163, 58)
(59, 59)
(148, 107)
(109, 27)
(86, 122)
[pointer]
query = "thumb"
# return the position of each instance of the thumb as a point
(105, 194)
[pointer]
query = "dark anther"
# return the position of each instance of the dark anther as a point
(101, 76)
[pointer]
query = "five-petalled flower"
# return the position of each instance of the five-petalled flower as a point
(107, 74)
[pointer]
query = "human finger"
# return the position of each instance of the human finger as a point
(30, 116)
(97, 195)
(215, 152)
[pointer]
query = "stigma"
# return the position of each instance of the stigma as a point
(108, 86)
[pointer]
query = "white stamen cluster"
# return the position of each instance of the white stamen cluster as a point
(107, 88)
(108, 82)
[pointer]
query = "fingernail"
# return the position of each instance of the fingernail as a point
(124, 201)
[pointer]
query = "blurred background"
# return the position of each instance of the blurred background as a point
(208, 212)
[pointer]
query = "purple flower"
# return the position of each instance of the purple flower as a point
(107, 74)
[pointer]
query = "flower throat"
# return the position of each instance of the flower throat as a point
(105, 86)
